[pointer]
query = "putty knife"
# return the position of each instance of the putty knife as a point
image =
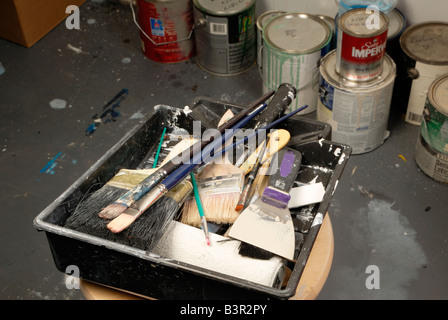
(267, 222)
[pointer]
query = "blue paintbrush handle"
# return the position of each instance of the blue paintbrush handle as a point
(180, 173)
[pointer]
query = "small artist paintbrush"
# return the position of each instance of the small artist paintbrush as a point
(200, 208)
(114, 209)
(250, 179)
(128, 217)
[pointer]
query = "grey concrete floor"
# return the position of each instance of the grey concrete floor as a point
(385, 212)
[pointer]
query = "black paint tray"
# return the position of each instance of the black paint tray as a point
(132, 269)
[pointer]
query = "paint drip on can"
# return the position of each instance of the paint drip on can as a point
(361, 44)
(166, 29)
(225, 35)
(357, 111)
(293, 44)
(431, 153)
(262, 20)
(425, 58)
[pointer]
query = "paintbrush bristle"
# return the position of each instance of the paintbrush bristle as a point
(218, 208)
(112, 211)
(121, 222)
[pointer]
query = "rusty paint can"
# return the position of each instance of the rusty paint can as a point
(425, 48)
(357, 111)
(225, 35)
(166, 29)
(361, 44)
(291, 55)
(431, 152)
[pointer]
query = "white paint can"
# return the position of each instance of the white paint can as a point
(357, 111)
(425, 46)
(293, 44)
(431, 153)
(261, 22)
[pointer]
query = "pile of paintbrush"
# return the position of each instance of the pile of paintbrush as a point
(163, 190)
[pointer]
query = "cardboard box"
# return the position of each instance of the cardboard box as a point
(26, 21)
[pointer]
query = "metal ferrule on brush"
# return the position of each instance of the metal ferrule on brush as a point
(143, 188)
(145, 202)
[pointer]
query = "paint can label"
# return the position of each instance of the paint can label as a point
(359, 114)
(157, 27)
(360, 47)
(434, 126)
(225, 45)
(166, 29)
(430, 161)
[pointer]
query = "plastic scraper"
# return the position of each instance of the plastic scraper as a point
(267, 222)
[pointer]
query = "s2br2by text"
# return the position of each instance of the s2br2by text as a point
(227, 309)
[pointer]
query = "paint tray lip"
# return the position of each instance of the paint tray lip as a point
(43, 222)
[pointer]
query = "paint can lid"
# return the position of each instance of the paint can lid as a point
(327, 70)
(397, 24)
(266, 16)
(438, 94)
(296, 33)
(426, 42)
(328, 20)
(360, 23)
(223, 8)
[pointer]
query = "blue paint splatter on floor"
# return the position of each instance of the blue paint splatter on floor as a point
(109, 114)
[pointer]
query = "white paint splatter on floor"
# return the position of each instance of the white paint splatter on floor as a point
(58, 104)
(382, 237)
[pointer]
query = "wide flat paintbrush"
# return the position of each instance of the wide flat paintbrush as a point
(121, 204)
(86, 211)
(219, 186)
(127, 218)
(146, 231)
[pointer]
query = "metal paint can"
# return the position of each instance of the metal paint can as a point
(261, 22)
(332, 24)
(385, 6)
(166, 29)
(361, 44)
(425, 47)
(397, 25)
(225, 35)
(430, 161)
(434, 127)
(357, 111)
(293, 44)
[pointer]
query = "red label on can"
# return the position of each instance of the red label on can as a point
(363, 51)
(167, 27)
